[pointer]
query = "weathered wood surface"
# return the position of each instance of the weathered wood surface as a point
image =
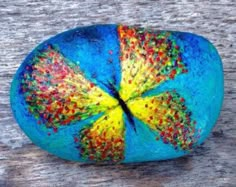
(25, 23)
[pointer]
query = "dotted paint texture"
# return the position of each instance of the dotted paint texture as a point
(96, 109)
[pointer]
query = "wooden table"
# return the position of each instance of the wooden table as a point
(25, 23)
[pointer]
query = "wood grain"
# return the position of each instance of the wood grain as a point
(25, 23)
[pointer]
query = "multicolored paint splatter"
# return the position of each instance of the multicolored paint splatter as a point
(59, 93)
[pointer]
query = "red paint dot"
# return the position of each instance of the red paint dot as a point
(55, 130)
(91, 85)
(76, 139)
(177, 47)
(184, 71)
(182, 99)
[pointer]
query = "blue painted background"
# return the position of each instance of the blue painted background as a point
(202, 88)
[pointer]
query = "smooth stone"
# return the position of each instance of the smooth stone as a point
(116, 93)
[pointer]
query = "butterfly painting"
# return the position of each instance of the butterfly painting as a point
(59, 94)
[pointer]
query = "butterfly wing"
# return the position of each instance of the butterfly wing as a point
(104, 140)
(147, 60)
(167, 115)
(57, 92)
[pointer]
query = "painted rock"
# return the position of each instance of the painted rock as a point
(117, 93)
